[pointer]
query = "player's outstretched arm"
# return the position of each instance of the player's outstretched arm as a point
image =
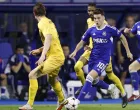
(47, 43)
(78, 47)
(125, 44)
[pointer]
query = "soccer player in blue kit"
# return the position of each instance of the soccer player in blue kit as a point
(101, 34)
(134, 66)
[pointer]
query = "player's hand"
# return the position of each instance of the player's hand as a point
(120, 59)
(87, 48)
(127, 30)
(35, 52)
(72, 55)
(41, 60)
(130, 56)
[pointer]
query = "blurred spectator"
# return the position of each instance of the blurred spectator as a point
(25, 37)
(20, 66)
(123, 61)
(3, 82)
(111, 22)
(67, 70)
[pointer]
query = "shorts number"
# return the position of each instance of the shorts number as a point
(101, 66)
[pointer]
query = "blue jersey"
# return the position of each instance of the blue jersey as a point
(102, 43)
(136, 30)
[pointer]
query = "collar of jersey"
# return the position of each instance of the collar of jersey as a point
(100, 29)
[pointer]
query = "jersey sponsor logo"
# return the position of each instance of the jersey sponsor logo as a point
(100, 40)
(138, 32)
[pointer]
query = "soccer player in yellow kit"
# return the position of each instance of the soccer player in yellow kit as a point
(85, 56)
(52, 57)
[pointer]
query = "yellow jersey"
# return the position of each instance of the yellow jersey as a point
(46, 26)
(90, 23)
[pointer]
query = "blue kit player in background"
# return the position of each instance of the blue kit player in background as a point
(101, 34)
(134, 66)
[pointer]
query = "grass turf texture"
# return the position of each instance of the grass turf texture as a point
(81, 107)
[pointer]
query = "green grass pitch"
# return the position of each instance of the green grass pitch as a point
(81, 107)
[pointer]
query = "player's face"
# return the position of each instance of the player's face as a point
(20, 51)
(130, 22)
(91, 11)
(66, 51)
(98, 19)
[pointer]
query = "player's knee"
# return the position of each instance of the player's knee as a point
(89, 78)
(131, 68)
(76, 67)
(31, 75)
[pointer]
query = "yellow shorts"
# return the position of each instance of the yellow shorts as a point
(109, 67)
(86, 54)
(51, 66)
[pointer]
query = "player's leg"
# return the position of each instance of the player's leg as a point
(58, 89)
(123, 77)
(118, 83)
(114, 78)
(96, 70)
(32, 89)
(83, 60)
(133, 68)
(79, 65)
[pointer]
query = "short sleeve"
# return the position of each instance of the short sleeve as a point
(115, 32)
(134, 29)
(86, 35)
(45, 29)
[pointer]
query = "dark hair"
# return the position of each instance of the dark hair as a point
(19, 46)
(98, 11)
(39, 9)
(92, 4)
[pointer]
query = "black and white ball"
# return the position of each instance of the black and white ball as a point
(72, 105)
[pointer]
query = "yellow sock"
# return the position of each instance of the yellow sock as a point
(58, 90)
(79, 71)
(116, 81)
(32, 90)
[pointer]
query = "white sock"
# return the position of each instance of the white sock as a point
(109, 88)
(136, 92)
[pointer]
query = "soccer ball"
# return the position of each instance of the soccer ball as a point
(71, 104)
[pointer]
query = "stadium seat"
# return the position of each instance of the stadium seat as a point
(5, 50)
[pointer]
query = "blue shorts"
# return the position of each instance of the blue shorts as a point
(98, 66)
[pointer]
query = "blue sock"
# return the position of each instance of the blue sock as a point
(135, 80)
(84, 90)
(102, 85)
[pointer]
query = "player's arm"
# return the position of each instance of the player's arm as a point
(78, 47)
(85, 38)
(41, 48)
(132, 31)
(125, 44)
(119, 53)
(46, 31)
(118, 34)
(47, 43)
